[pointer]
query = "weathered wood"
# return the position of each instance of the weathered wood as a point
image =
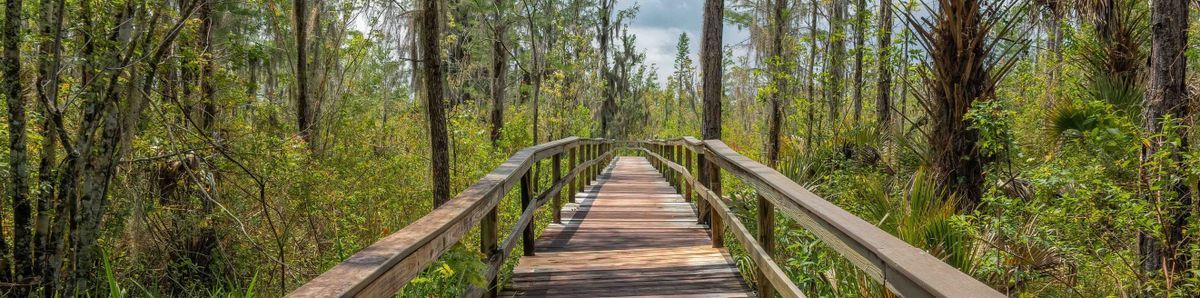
(766, 238)
(767, 268)
(574, 185)
(632, 235)
(488, 246)
(556, 170)
(904, 269)
(526, 200)
(384, 267)
(496, 262)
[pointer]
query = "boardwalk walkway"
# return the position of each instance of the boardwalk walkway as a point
(629, 235)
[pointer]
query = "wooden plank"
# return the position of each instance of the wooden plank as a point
(904, 269)
(384, 267)
(633, 237)
(768, 269)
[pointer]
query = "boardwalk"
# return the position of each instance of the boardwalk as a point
(630, 235)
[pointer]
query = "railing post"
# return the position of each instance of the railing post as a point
(556, 169)
(687, 165)
(675, 175)
(488, 246)
(702, 179)
(766, 238)
(571, 185)
(526, 202)
(714, 219)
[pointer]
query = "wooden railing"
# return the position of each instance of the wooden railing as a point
(902, 268)
(383, 268)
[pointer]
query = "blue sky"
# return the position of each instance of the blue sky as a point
(659, 23)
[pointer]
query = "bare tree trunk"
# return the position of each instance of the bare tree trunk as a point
(18, 161)
(49, 53)
(837, 60)
(1166, 96)
(605, 36)
(883, 95)
(499, 74)
(860, 36)
(775, 119)
(303, 109)
(711, 56)
(435, 105)
(812, 61)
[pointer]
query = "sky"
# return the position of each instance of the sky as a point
(659, 23)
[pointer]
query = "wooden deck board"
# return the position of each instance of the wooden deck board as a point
(629, 235)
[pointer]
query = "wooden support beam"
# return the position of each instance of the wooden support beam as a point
(573, 160)
(526, 200)
(488, 245)
(766, 238)
(556, 169)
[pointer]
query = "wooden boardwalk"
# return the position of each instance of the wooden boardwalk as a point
(630, 234)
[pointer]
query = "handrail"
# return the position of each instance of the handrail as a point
(384, 267)
(902, 268)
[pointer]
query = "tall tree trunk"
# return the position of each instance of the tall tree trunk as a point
(883, 93)
(435, 105)
(779, 78)
(49, 53)
(18, 160)
(499, 74)
(837, 60)
(605, 35)
(860, 36)
(712, 58)
(812, 61)
(303, 109)
(1166, 96)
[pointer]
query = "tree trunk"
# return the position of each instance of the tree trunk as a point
(883, 95)
(958, 78)
(860, 36)
(605, 36)
(499, 74)
(712, 59)
(812, 61)
(49, 53)
(837, 60)
(303, 109)
(18, 161)
(779, 76)
(435, 105)
(1166, 96)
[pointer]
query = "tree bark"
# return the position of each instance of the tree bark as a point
(435, 105)
(712, 59)
(499, 74)
(779, 77)
(18, 161)
(860, 36)
(883, 93)
(1166, 96)
(837, 60)
(812, 61)
(303, 109)
(49, 53)
(605, 36)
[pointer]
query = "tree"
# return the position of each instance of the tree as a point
(836, 59)
(435, 105)
(304, 110)
(883, 93)
(604, 34)
(499, 72)
(18, 161)
(960, 76)
(860, 36)
(779, 80)
(1167, 99)
(712, 62)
